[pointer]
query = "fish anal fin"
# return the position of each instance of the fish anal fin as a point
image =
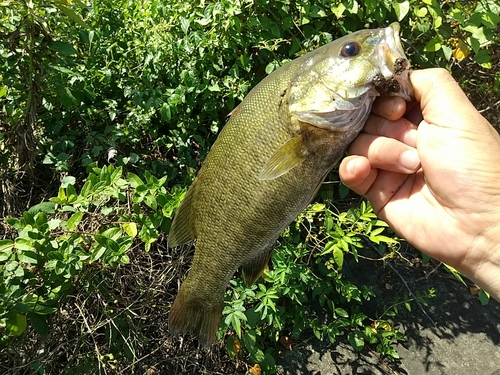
(253, 269)
(183, 230)
(288, 156)
(194, 315)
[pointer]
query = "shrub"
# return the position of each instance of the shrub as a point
(146, 86)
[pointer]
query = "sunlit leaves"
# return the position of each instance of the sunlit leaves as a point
(401, 8)
(434, 44)
(55, 240)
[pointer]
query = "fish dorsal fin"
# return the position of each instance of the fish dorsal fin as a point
(284, 159)
(182, 230)
(254, 268)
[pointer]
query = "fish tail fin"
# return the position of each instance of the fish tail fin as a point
(191, 314)
(254, 268)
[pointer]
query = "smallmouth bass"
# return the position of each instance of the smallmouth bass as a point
(269, 161)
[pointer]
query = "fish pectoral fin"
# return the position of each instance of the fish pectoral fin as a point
(284, 159)
(254, 268)
(182, 230)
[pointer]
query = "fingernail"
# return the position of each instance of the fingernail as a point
(351, 166)
(410, 137)
(410, 160)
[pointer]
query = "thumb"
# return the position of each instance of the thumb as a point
(442, 101)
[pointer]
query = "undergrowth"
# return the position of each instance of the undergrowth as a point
(108, 110)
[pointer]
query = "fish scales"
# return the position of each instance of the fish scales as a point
(264, 168)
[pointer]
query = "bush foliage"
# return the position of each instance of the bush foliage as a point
(108, 110)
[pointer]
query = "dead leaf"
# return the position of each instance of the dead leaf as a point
(286, 342)
(474, 290)
(237, 346)
(256, 370)
(461, 51)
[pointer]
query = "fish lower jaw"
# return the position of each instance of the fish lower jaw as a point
(396, 85)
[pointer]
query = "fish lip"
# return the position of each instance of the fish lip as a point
(406, 88)
(393, 39)
(397, 65)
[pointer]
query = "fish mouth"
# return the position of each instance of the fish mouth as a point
(394, 77)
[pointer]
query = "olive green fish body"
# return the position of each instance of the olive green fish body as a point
(264, 168)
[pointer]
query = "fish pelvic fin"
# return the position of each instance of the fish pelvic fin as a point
(183, 230)
(195, 315)
(253, 269)
(288, 156)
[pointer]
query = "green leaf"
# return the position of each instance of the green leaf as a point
(3, 91)
(47, 207)
(39, 322)
(62, 48)
(107, 243)
(150, 200)
(96, 252)
(421, 12)
(86, 188)
(341, 312)
(23, 244)
(165, 112)
(455, 273)
(16, 323)
(447, 51)
(43, 310)
(376, 231)
(343, 191)
(63, 69)
(67, 180)
(401, 8)
(70, 14)
(489, 19)
(130, 228)
(249, 339)
(185, 25)
(116, 175)
(74, 220)
(482, 56)
(6, 245)
(114, 232)
(338, 256)
(356, 340)
(67, 99)
(134, 180)
(338, 10)
(27, 256)
(257, 355)
(230, 347)
(5, 255)
(236, 324)
(484, 297)
(434, 44)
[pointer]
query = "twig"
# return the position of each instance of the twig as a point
(382, 361)
(407, 287)
(433, 270)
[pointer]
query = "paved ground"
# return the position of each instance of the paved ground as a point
(464, 340)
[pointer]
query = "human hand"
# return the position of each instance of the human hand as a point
(436, 184)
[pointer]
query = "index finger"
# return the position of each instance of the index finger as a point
(389, 107)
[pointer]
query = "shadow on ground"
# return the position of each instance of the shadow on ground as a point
(459, 336)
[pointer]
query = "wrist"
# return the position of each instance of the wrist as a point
(484, 269)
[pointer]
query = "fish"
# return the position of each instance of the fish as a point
(269, 161)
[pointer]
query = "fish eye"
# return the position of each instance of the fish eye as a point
(350, 49)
